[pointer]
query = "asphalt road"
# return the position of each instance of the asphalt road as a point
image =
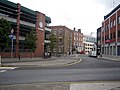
(90, 69)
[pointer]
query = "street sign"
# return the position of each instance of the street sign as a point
(11, 36)
(12, 30)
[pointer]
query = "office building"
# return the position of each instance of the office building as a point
(89, 43)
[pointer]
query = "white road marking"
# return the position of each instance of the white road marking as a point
(3, 71)
(11, 68)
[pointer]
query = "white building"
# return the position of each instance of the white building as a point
(88, 42)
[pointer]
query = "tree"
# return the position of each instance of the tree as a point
(30, 40)
(53, 42)
(5, 27)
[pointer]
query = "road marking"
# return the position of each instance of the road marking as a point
(3, 71)
(72, 63)
(11, 68)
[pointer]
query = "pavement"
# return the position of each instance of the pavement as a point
(41, 62)
(113, 58)
(65, 86)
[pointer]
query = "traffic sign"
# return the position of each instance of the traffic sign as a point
(11, 36)
(12, 30)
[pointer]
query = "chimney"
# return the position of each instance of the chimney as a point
(74, 28)
(79, 30)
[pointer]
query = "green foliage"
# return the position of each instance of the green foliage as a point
(30, 40)
(5, 27)
(53, 42)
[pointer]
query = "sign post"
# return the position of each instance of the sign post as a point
(11, 36)
(0, 60)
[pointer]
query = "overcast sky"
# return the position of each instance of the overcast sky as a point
(86, 15)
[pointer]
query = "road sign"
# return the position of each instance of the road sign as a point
(12, 30)
(11, 36)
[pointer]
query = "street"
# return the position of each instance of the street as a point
(90, 69)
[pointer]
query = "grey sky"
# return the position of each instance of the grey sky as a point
(109, 3)
(84, 14)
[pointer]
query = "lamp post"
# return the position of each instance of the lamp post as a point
(11, 36)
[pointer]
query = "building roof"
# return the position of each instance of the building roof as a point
(24, 9)
(6, 2)
(115, 9)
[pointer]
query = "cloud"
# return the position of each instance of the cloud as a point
(109, 4)
(84, 14)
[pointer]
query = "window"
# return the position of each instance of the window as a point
(74, 43)
(111, 24)
(55, 33)
(118, 33)
(114, 35)
(114, 22)
(60, 32)
(108, 26)
(54, 50)
(119, 19)
(77, 38)
(74, 33)
(60, 40)
(107, 36)
(60, 49)
(105, 28)
(102, 38)
(111, 36)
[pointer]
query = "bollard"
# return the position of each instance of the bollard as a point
(0, 60)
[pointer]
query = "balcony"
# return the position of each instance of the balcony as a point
(8, 18)
(27, 23)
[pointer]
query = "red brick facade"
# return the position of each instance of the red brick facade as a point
(40, 34)
(110, 31)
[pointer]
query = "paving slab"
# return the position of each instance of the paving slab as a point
(65, 86)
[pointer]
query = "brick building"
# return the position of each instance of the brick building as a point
(77, 40)
(110, 33)
(22, 21)
(99, 38)
(64, 38)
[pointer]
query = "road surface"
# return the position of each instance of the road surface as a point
(90, 69)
